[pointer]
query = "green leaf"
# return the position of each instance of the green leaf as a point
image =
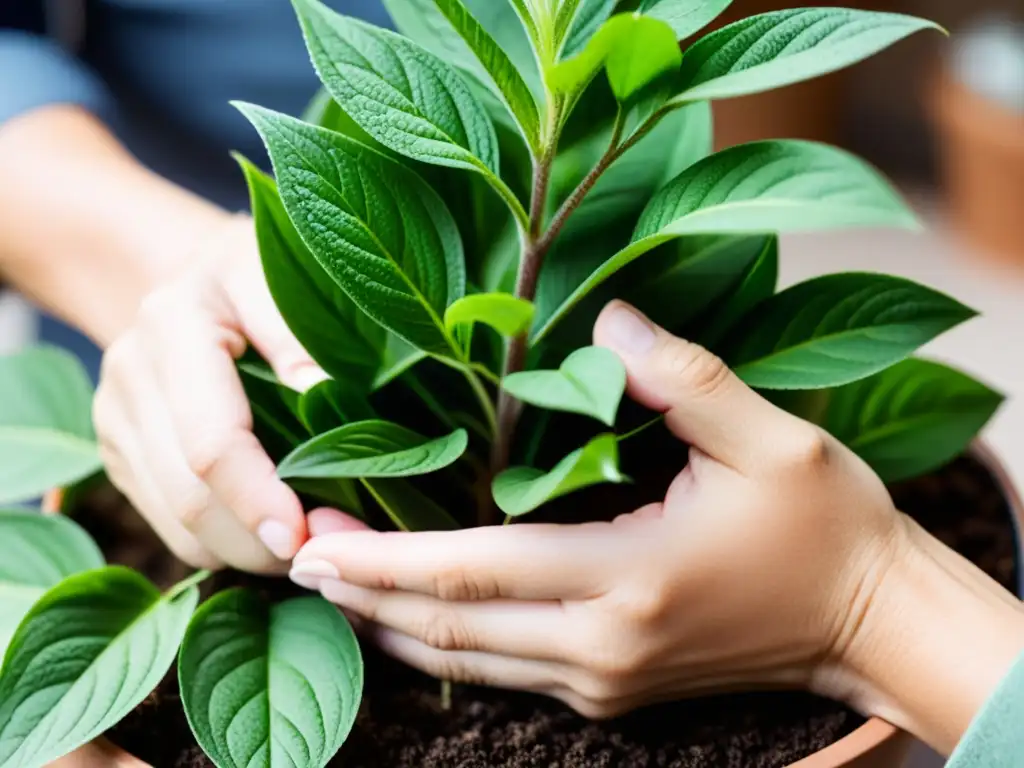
(636, 50)
(421, 21)
(503, 73)
(274, 409)
(839, 328)
(38, 551)
(505, 313)
(86, 655)
(372, 449)
(768, 186)
(377, 229)
(691, 278)
(591, 381)
(589, 16)
(759, 284)
(267, 684)
(407, 98)
(686, 17)
(520, 490)
(409, 508)
(331, 404)
(784, 47)
(313, 306)
(911, 418)
(46, 434)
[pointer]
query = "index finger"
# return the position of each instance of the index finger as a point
(521, 562)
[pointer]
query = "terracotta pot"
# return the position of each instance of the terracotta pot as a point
(876, 744)
(982, 153)
(810, 110)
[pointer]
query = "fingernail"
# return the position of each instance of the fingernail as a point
(629, 331)
(278, 538)
(303, 378)
(311, 573)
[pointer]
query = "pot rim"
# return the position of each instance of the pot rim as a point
(863, 740)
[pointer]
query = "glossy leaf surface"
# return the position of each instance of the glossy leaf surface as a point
(911, 418)
(372, 449)
(836, 329)
(520, 490)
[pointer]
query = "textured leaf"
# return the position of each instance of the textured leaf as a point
(409, 508)
(836, 329)
(377, 229)
(267, 684)
(520, 490)
(590, 15)
(86, 655)
(685, 16)
(37, 552)
(759, 284)
(421, 21)
(505, 313)
(407, 98)
(636, 50)
(784, 47)
(502, 72)
(312, 304)
(591, 381)
(768, 186)
(46, 434)
(372, 449)
(911, 418)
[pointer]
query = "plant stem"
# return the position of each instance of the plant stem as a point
(483, 397)
(446, 695)
(486, 372)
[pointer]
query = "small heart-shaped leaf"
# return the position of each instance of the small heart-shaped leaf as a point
(39, 551)
(520, 490)
(372, 449)
(505, 313)
(591, 382)
(86, 654)
(267, 684)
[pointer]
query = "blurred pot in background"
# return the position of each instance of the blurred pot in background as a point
(811, 110)
(978, 109)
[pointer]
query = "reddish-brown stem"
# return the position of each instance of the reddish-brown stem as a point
(536, 247)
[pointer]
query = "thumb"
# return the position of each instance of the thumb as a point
(705, 404)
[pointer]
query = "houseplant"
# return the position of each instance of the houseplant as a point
(442, 229)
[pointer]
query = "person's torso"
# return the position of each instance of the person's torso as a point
(175, 65)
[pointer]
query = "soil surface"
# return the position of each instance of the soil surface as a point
(402, 726)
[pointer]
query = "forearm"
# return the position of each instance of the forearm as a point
(935, 643)
(87, 231)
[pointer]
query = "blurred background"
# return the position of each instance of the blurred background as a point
(945, 119)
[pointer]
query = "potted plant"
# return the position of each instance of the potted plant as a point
(443, 228)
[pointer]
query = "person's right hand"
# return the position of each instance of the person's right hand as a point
(174, 424)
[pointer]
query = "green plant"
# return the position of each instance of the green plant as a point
(441, 231)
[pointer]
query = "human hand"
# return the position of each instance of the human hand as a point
(174, 424)
(755, 570)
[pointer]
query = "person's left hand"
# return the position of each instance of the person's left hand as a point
(756, 570)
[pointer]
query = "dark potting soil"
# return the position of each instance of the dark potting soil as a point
(402, 726)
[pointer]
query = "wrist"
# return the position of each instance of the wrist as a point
(934, 639)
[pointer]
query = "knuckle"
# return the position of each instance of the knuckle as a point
(443, 631)
(192, 507)
(614, 658)
(203, 455)
(457, 585)
(703, 372)
(807, 449)
(592, 709)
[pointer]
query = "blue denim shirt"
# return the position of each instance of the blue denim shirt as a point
(161, 74)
